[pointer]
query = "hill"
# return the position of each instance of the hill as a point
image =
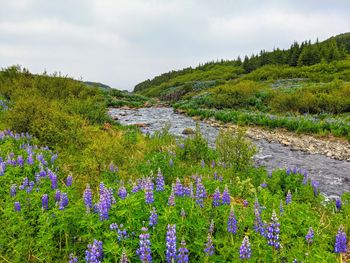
(175, 84)
(98, 85)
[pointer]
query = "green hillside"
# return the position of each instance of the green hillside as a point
(293, 62)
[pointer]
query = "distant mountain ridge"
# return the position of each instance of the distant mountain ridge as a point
(97, 84)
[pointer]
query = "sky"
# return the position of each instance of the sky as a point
(123, 42)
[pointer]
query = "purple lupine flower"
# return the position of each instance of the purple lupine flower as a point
(295, 170)
(113, 168)
(122, 193)
(69, 180)
(263, 185)
(171, 200)
(216, 176)
(149, 192)
(124, 257)
(30, 187)
(135, 188)
(72, 259)
(281, 208)
(315, 185)
(105, 202)
(309, 236)
(183, 213)
(53, 179)
(63, 202)
(211, 227)
(171, 163)
(209, 246)
(232, 223)
(30, 159)
(88, 198)
(57, 195)
(13, 190)
(216, 197)
(245, 203)
(178, 188)
(202, 163)
(305, 178)
(257, 205)
(171, 243)
(288, 198)
(153, 219)
(113, 226)
(273, 232)
(122, 233)
(20, 161)
(42, 173)
(94, 253)
(160, 181)
(338, 203)
(245, 251)
(288, 171)
(226, 199)
(187, 191)
(25, 183)
(144, 251)
(17, 206)
(182, 256)
(2, 168)
(213, 164)
(200, 193)
(53, 158)
(258, 224)
(45, 202)
(340, 241)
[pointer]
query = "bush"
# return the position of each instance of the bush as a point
(235, 149)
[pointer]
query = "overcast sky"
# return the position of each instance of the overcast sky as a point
(121, 43)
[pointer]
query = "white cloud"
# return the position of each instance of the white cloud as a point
(126, 41)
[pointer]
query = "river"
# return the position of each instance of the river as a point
(333, 175)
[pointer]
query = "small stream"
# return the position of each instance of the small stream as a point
(333, 175)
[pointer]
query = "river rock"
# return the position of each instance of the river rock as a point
(140, 125)
(188, 131)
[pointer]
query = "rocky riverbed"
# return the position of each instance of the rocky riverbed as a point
(325, 160)
(332, 147)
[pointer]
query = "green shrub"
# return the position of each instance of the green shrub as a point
(235, 149)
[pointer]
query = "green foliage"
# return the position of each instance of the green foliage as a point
(235, 149)
(195, 148)
(53, 234)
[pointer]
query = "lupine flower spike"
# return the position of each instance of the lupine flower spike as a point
(209, 246)
(232, 222)
(171, 200)
(288, 198)
(171, 243)
(160, 181)
(226, 199)
(309, 236)
(340, 241)
(245, 250)
(94, 253)
(216, 197)
(273, 232)
(144, 251)
(124, 257)
(182, 256)
(153, 219)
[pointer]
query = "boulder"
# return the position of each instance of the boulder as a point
(188, 131)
